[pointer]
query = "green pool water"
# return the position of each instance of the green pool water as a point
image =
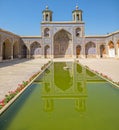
(65, 97)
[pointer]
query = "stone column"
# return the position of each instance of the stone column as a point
(107, 50)
(74, 50)
(12, 49)
(98, 50)
(52, 48)
(116, 50)
(83, 47)
(28, 50)
(19, 55)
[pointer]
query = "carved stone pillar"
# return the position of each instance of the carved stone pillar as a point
(98, 50)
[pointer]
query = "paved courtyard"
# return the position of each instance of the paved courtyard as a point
(109, 67)
(14, 72)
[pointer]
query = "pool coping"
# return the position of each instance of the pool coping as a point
(98, 74)
(14, 98)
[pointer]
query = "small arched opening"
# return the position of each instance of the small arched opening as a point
(78, 51)
(24, 51)
(102, 51)
(47, 51)
(78, 32)
(111, 49)
(46, 32)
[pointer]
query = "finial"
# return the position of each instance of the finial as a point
(46, 7)
(77, 7)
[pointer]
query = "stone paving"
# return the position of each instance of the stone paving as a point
(109, 67)
(14, 72)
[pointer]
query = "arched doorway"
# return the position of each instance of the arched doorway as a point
(16, 50)
(6, 50)
(111, 49)
(90, 50)
(47, 51)
(35, 50)
(62, 44)
(102, 50)
(78, 51)
(24, 51)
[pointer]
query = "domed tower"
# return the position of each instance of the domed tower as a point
(47, 15)
(77, 15)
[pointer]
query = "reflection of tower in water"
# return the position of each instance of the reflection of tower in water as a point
(54, 86)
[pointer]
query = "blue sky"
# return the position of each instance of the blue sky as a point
(23, 17)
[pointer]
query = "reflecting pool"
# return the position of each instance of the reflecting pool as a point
(65, 97)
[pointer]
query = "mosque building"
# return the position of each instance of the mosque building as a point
(64, 39)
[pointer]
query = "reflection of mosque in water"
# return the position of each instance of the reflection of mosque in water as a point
(66, 81)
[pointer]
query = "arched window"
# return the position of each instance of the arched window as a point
(46, 32)
(77, 17)
(46, 17)
(78, 31)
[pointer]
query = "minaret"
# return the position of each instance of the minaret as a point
(47, 15)
(77, 15)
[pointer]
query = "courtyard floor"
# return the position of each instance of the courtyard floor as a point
(14, 72)
(109, 67)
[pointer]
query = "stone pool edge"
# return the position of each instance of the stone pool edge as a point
(14, 98)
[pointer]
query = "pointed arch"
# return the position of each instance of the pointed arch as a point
(24, 51)
(102, 51)
(78, 51)
(90, 49)
(62, 44)
(46, 32)
(35, 49)
(111, 49)
(7, 49)
(47, 51)
(77, 32)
